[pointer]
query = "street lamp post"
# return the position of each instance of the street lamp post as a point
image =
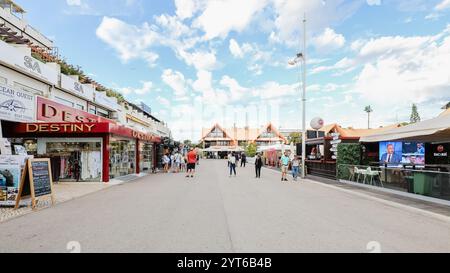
(301, 57)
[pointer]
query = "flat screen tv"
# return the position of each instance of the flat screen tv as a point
(402, 153)
(413, 153)
(391, 153)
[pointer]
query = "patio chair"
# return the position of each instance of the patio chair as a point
(358, 172)
(351, 171)
(373, 174)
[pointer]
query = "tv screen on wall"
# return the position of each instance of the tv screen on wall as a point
(413, 153)
(402, 153)
(391, 152)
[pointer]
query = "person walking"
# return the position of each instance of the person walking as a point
(192, 161)
(258, 165)
(172, 163)
(177, 162)
(295, 167)
(243, 160)
(232, 164)
(237, 155)
(284, 166)
(182, 163)
(166, 161)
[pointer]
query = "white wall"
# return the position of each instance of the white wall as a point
(64, 95)
(13, 77)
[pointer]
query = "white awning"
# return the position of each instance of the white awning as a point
(223, 149)
(433, 130)
(277, 147)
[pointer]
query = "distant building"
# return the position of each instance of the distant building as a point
(224, 140)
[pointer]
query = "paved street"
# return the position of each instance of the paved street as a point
(215, 213)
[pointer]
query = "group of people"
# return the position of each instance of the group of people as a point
(178, 162)
(174, 162)
(285, 162)
(295, 164)
(233, 161)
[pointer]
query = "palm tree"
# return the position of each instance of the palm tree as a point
(368, 110)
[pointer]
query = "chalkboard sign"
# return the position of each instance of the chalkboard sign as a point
(36, 181)
(41, 177)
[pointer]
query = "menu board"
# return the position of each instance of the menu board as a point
(40, 171)
(36, 181)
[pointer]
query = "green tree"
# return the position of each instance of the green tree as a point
(295, 137)
(187, 142)
(368, 110)
(415, 117)
(251, 149)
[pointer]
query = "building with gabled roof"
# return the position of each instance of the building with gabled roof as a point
(219, 139)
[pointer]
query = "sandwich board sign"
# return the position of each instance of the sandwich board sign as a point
(36, 182)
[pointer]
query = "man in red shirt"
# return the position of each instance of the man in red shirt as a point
(192, 161)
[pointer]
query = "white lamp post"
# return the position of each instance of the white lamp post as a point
(302, 57)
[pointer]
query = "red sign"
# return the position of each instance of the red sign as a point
(57, 128)
(50, 111)
(59, 118)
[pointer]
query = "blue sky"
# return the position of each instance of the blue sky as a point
(197, 62)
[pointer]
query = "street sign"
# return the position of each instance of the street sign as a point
(335, 142)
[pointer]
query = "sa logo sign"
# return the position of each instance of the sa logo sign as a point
(32, 64)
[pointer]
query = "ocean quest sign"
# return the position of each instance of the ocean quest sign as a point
(17, 105)
(75, 87)
(21, 60)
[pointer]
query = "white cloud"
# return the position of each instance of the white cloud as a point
(163, 101)
(235, 49)
(175, 80)
(445, 4)
(415, 69)
(433, 16)
(73, 2)
(256, 69)
(273, 90)
(201, 60)
(145, 89)
(237, 92)
(171, 26)
(373, 2)
(288, 17)
(220, 17)
(129, 41)
(185, 8)
(329, 40)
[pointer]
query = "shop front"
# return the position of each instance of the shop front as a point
(83, 147)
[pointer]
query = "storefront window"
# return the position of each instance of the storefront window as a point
(75, 161)
(122, 157)
(92, 110)
(64, 101)
(102, 113)
(146, 157)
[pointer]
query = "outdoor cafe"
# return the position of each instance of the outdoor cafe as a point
(413, 158)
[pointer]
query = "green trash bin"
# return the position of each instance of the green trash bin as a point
(423, 183)
(410, 183)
